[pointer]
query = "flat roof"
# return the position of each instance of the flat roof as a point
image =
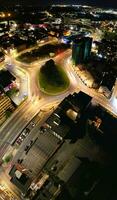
(6, 78)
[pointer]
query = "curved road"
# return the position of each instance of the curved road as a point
(12, 128)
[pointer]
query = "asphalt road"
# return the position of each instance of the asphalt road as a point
(19, 120)
(37, 100)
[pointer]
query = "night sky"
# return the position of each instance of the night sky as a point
(102, 3)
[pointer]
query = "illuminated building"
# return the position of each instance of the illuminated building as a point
(88, 45)
(81, 50)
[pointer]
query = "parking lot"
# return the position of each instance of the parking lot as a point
(36, 150)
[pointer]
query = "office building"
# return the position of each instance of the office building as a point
(81, 50)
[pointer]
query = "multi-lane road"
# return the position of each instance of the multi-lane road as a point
(109, 104)
(38, 101)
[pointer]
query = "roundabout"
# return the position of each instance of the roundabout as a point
(52, 79)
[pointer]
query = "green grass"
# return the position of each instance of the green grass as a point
(52, 86)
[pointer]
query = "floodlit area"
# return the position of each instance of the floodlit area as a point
(114, 103)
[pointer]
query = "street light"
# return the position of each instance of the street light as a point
(9, 14)
(3, 15)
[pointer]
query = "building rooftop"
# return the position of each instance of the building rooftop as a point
(68, 113)
(22, 182)
(6, 78)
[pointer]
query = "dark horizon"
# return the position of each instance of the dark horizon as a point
(44, 3)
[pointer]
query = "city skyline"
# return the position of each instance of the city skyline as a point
(109, 4)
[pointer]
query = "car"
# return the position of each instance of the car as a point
(19, 140)
(42, 129)
(32, 123)
(31, 142)
(54, 167)
(23, 135)
(26, 131)
(26, 148)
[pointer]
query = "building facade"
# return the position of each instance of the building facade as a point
(81, 50)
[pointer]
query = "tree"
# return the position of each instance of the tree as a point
(51, 70)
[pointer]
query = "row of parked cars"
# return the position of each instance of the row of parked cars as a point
(25, 133)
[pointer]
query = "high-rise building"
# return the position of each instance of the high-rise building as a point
(88, 45)
(81, 50)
